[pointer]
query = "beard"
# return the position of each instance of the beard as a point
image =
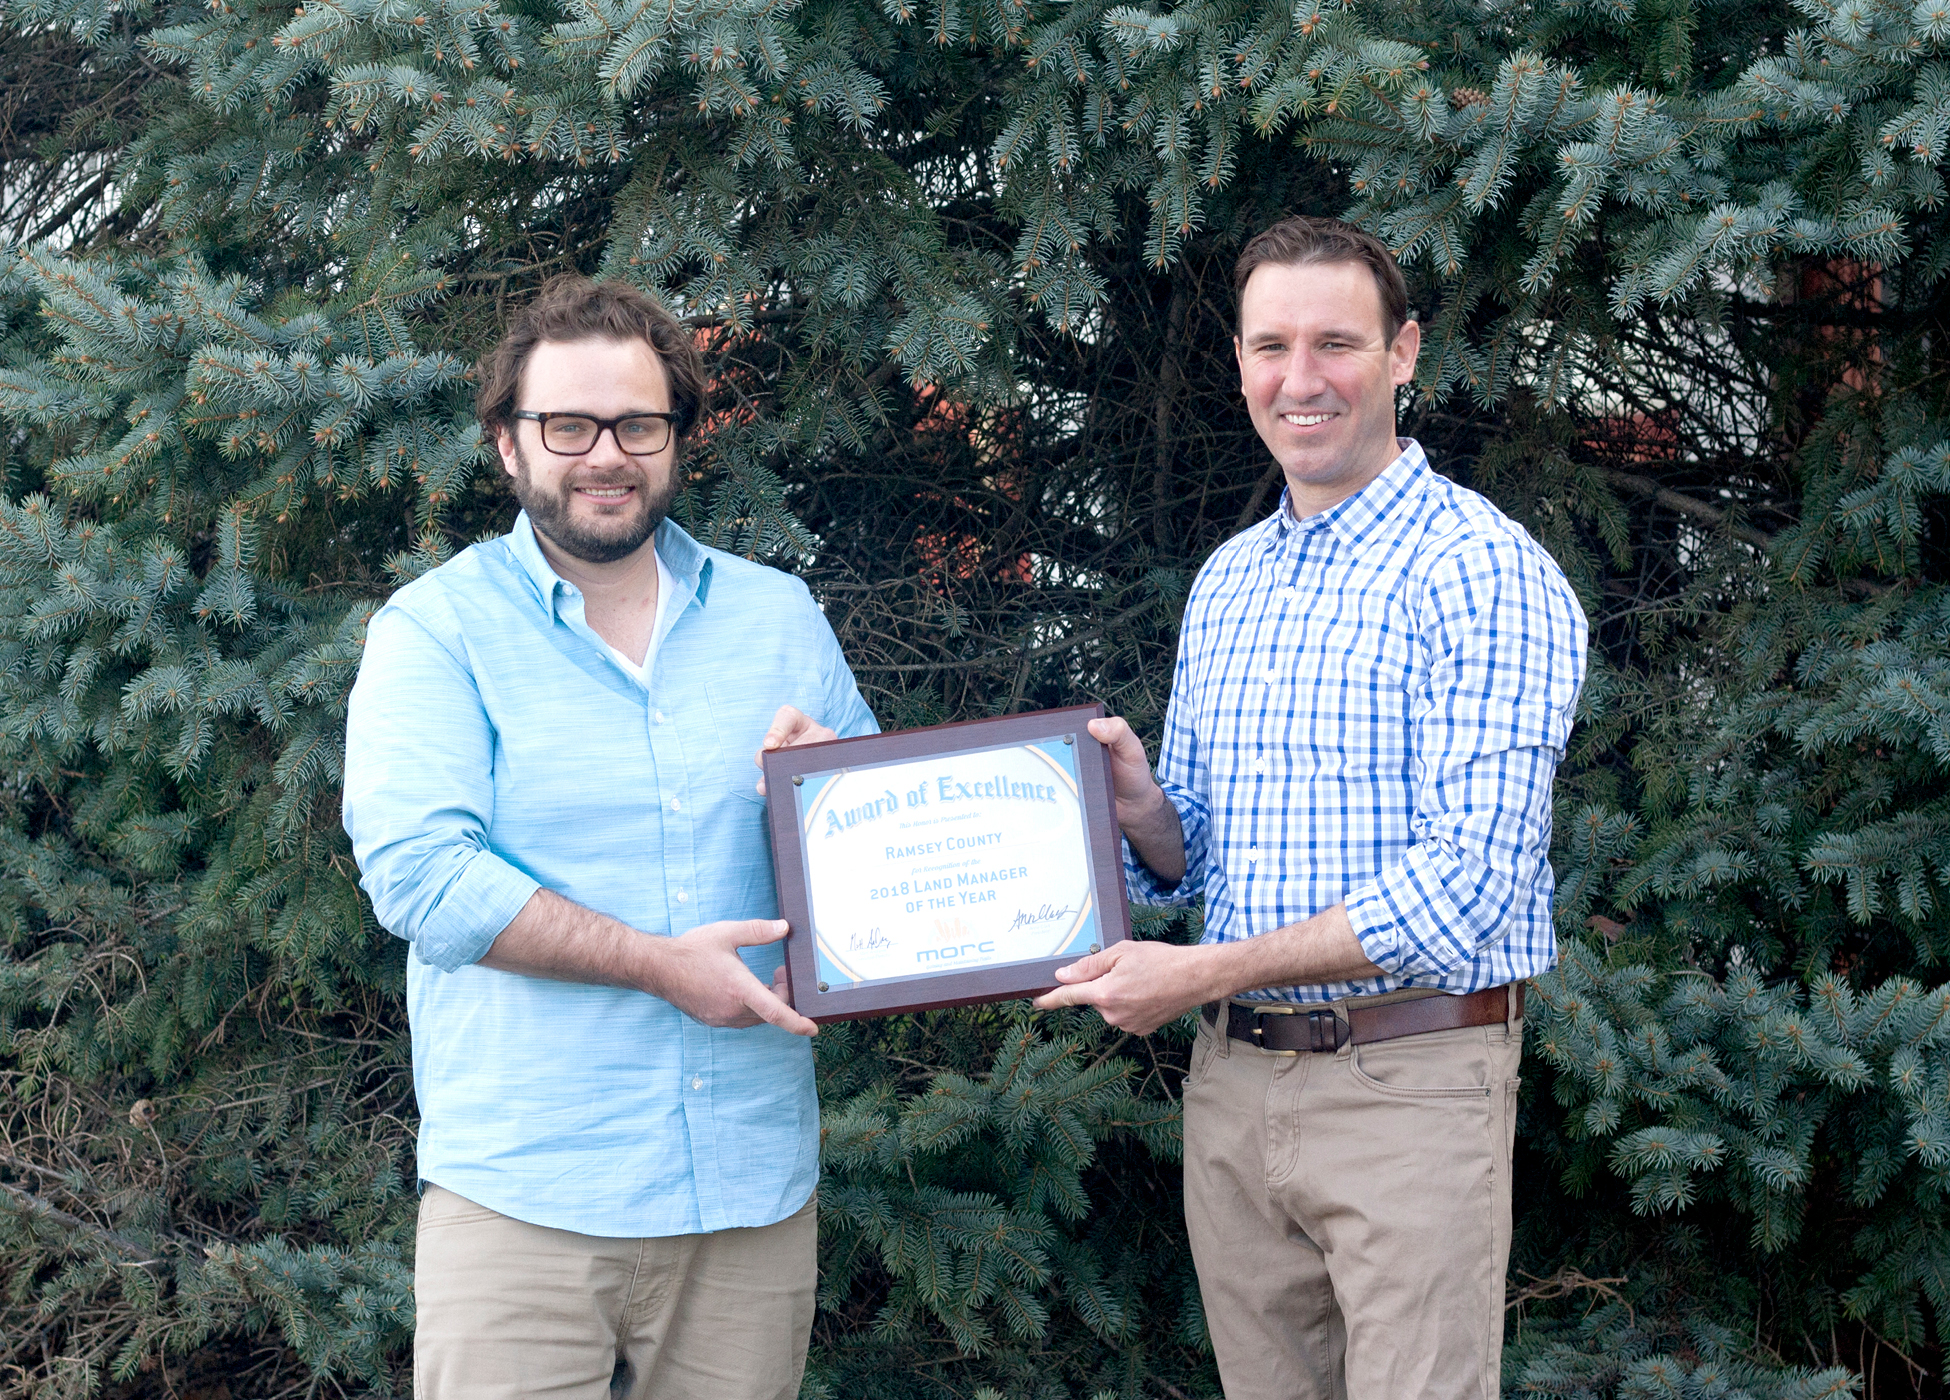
(604, 540)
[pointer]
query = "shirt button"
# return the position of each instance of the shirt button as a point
(683, 896)
(697, 1082)
(675, 805)
(658, 716)
(1259, 765)
(1252, 853)
(1269, 675)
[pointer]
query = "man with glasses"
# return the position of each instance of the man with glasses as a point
(551, 795)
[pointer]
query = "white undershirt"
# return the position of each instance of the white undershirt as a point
(666, 585)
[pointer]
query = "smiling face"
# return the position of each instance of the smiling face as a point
(603, 505)
(1319, 376)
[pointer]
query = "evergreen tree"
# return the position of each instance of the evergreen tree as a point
(962, 274)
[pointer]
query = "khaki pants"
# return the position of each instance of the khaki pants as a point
(507, 1310)
(1349, 1213)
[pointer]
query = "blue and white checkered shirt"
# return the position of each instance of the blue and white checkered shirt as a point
(1368, 707)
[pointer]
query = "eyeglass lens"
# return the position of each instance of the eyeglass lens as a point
(639, 437)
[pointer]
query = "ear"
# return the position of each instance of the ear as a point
(1402, 354)
(1239, 359)
(504, 443)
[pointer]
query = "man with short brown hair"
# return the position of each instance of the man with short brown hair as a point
(1372, 692)
(550, 791)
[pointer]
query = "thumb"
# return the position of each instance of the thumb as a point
(1126, 749)
(787, 721)
(747, 933)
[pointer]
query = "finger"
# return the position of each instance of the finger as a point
(1082, 995)
(773, 1011)
(749, 933)
(1087, 969)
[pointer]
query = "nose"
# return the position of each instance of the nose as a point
(606, 456)
(1303, 378)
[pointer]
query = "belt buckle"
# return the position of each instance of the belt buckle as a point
(1259, 1031)
(1326, 1032)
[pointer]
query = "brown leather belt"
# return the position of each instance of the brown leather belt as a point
(1292, 1030)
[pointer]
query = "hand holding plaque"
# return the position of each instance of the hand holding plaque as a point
(938, 867)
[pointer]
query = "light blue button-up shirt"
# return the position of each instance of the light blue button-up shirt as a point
(1368, 709)
(493, 747)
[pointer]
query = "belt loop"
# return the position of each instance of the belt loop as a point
(1221, 1026)
(1513, 1007)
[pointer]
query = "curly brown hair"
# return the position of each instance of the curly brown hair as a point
(570, 307)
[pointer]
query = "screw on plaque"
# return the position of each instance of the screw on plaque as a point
(822, 986)
(798, 779)
(1095, 949)
(1069, 738)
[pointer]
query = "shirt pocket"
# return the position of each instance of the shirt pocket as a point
(740, 715)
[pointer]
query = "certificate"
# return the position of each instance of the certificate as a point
(937, 867)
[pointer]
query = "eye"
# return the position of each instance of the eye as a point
(570, 429)
(637, 429)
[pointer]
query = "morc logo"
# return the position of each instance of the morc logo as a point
(950, 953)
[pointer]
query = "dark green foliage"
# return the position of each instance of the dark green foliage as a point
(1022, 1216)
(961, 271)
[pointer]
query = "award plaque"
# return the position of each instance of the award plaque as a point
(944, 866)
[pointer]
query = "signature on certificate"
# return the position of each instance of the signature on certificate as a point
(1041, 914)
(871, 941)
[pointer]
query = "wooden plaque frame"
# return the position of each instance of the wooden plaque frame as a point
(928, 991)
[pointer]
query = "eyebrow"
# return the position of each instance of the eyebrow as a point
(1331, 333)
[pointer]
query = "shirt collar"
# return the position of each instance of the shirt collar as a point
(682, 555)
(1357, 517)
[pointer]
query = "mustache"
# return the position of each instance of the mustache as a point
(637, 478)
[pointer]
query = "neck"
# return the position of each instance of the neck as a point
(619, 599)
(635, 573)
(1307, 498)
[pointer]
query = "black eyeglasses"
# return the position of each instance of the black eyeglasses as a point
(572, 434)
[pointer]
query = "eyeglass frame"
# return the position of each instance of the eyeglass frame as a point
(675, 420)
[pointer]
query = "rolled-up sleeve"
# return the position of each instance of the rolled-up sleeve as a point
(1507, 657)
(419, 796)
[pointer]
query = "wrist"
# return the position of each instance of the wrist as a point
(1212, 973)
(1243, 966)
(650, 959)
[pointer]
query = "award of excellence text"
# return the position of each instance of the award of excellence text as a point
(947, 790)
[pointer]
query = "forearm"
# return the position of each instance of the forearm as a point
(1308, 953)
(558, 939)
(1140, 985)
(699, 972)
